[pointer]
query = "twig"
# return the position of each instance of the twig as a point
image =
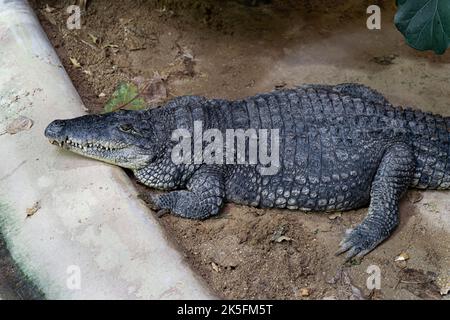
(88, 44)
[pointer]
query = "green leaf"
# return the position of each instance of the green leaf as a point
(424, 23)
(126, 95)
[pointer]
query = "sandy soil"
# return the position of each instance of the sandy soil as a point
(233, 50)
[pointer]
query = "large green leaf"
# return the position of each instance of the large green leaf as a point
(424, 23)
(126, 95)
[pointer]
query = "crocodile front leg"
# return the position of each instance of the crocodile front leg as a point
(392, 179)
(203, 198)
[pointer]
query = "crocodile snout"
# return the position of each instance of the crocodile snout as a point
(54, 131)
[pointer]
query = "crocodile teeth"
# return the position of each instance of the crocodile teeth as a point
(86, 146)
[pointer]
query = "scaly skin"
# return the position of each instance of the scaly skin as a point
(341, 147)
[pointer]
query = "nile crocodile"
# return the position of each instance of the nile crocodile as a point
(341, 147)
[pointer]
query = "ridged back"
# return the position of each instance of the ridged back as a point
(336, 116)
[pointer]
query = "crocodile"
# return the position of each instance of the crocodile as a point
(341, 147)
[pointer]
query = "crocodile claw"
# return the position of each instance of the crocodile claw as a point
(357, 242)
(151, 201)
(162, 212)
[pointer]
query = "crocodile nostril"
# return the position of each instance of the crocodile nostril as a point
(54, 129)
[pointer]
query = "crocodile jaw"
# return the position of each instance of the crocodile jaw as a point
(117, 154)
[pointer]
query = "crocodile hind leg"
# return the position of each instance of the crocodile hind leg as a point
(203, 198)
(392, 179)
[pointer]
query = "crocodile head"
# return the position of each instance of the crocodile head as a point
(124, 138)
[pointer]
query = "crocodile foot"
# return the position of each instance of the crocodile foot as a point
(358, 242)
(151, 201)
(393, 177)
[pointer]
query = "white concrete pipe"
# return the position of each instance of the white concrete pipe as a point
(90, 238)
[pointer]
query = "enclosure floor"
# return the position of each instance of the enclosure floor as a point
(240, 51)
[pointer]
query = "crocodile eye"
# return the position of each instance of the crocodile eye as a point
(127, 128)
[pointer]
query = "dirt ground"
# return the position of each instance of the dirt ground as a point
(233, 49)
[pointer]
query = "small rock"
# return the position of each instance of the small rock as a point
(305, 292)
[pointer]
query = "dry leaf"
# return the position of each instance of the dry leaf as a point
(110, 45)
(94, 39)
(215, 267)
(75, 62)
(414, 196)
(47, 14)
(156, 91)
(83, 4)
(48, 8)
(31, 211)
(402, 257)
(155, 88)
(443, 282)
(278, 233)
(114, 48)
(385, 60)
(282, 238)
(342, 278)
(420, 283)
(334, 215)
(20, 124)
